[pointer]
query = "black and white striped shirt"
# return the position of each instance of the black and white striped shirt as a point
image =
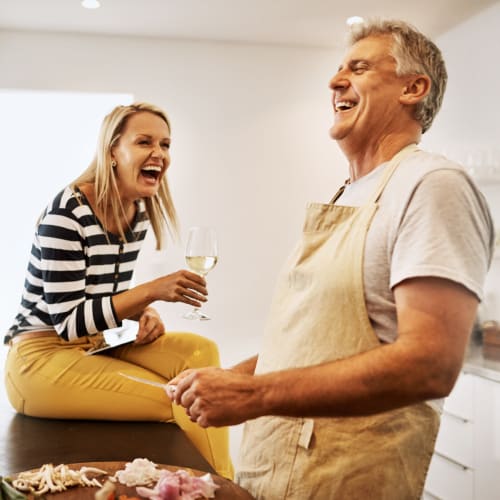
(74, 270)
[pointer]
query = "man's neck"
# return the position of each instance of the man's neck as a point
(364, 158)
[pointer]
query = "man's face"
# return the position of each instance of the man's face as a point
(366, 92)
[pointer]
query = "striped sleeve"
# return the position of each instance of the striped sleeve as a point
(58, 263)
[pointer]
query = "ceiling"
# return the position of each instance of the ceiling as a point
(316, 23)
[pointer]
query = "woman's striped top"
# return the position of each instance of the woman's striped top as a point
(75, 268)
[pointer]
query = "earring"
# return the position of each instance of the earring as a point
(113, 163)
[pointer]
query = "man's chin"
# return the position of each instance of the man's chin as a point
(337, 133)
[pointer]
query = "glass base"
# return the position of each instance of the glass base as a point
(196, 314)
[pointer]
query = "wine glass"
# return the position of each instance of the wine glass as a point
(201, 257)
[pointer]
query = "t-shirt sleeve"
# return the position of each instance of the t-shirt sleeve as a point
(61, 265)
(446, 231)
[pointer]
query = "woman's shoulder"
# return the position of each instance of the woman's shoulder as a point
(68, 203)
(68, 199)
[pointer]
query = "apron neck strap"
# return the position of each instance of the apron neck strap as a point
(390, 169)
(338, 194)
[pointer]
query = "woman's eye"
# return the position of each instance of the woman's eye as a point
(166, 145)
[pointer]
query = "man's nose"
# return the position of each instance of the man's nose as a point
(339, 81)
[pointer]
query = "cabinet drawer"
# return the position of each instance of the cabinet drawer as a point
(460, 402)
(456, 440)
(429, 496)
(449, 481)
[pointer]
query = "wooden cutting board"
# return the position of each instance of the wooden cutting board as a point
(227, 489)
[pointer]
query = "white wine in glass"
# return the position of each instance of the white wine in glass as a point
(201, 257)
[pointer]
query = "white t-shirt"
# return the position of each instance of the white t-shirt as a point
(432, 220)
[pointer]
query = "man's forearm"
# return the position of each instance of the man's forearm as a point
(365, 384)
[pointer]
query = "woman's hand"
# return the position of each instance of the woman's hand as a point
(181, 286)
(150, 326)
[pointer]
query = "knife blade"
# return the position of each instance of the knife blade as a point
(148, 382)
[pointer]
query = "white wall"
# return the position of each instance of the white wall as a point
(250, 147)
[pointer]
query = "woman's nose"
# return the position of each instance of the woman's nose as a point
(157, 151)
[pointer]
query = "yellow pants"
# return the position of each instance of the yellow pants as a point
(51, 378)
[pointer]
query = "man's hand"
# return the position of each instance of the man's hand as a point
(216, 397)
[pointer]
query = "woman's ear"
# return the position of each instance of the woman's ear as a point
(416, 88)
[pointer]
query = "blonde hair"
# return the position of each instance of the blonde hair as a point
(414, 54)
(159, 208)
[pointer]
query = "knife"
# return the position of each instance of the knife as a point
(149, 382)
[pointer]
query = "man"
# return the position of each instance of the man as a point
(372, 313)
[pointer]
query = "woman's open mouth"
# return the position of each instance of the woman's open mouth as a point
(151, 172)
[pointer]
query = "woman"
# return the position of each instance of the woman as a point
(83, 254)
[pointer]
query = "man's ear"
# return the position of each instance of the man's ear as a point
(415, 89)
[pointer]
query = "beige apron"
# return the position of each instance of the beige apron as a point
(319, 315)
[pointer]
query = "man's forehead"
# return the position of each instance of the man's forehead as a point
(371, 48)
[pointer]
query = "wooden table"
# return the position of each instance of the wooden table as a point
(227, 489)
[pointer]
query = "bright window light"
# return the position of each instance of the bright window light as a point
(48, 138)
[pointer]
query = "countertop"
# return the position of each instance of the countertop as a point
(476, 364)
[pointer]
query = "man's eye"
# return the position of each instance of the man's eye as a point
(143, 141)
(358, 70)
(166, 145)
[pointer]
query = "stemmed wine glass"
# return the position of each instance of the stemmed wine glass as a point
(201, 257)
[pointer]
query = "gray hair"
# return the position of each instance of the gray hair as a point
(414, 54)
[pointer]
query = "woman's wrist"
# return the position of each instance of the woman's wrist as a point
(133, 302)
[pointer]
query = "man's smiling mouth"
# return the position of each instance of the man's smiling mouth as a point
(344, 105)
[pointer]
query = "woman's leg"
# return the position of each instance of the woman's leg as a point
(169, 355)
(48, 377)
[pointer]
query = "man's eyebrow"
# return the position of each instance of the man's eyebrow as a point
(353, 63)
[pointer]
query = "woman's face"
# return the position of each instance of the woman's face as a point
(141, 155)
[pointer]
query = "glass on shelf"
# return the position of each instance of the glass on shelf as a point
(483, 165)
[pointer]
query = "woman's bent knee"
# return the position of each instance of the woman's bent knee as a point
(200, 351)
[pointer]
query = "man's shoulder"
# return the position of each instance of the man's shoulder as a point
(420, 163)
(431, 167)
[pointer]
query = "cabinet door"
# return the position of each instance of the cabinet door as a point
(460, 403)
(456, 440)
(488, 440)
(448, 480)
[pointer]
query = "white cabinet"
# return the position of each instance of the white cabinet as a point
(460, 402)
(488, 441)
(452, 471)
(466, 460)
(450, 480)
(456, 440)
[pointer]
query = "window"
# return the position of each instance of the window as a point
(47, 139)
